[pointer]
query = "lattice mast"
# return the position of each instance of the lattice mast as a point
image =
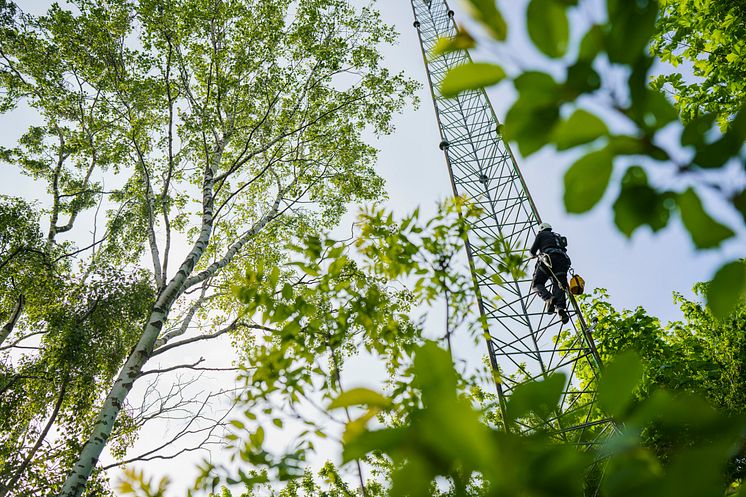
(523, 342)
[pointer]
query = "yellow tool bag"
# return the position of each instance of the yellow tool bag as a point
(577, 285)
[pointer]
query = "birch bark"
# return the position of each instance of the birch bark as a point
(86, 463)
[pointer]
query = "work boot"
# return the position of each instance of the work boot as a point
(563, 316)
(550, 306)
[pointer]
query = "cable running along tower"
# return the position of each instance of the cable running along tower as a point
(523, 342)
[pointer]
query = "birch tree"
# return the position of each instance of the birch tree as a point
(204, 132)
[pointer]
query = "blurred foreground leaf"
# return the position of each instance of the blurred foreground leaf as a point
(470, 76)
(727, 289)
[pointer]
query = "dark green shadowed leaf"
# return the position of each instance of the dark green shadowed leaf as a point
(532, 117)
(470, 77)
(717, 153)
(704, 230)
(530, 126)
(727, 289)
(617, 384)
(695, 131)
(638, 204)
(548, 26)
(581, 78)
(631, 24)
(581, 127)
(540, 397)
(739, 202)
(586, 181)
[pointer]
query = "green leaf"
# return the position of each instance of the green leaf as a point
(581, 78)
(696, 130)
(651, 109)
(631, 24)
(625, 145)
(727, 289)
(486, 12)
(462, 41)
(739, 202)
(581, 127)
(291, 329)
(470, 76)
(238, 424)
(548, 26)
(360, 396)
(586, 181)
(618, 381)
(368, 441)
(539, 397)
(533, 116)
(716, 154)
(638, 204)
(591, 44)
(704, 230)
(529, 125)
(538, 87)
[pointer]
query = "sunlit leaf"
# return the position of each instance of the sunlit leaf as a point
(462, 41)
(581, 127)
(360, 396)
(470, 76)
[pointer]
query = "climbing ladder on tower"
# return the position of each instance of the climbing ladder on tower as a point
(524, 343)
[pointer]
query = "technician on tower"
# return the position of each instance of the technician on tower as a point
(550, 248)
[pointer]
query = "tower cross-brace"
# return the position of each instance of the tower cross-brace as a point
(524, 343)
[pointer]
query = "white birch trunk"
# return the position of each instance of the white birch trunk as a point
(86, 463)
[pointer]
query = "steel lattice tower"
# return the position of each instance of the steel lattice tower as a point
(524, 342)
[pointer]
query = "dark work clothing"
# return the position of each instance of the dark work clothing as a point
(542, 274)
(553, 245)
(546, 240)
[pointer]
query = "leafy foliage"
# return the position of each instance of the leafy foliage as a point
(603, 110)
(709, 38)
(699, 355)
(177, 142)
(424, 437)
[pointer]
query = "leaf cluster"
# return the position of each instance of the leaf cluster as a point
(604, 69)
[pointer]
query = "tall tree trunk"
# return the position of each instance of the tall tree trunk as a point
(81, 471)
(8, 327)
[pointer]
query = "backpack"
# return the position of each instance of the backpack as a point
(560, 240)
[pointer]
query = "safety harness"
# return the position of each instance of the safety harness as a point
(576, 285)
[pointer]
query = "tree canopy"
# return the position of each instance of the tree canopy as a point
(707, 37)
(197, 136)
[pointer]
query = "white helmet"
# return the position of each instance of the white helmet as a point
(545, 226)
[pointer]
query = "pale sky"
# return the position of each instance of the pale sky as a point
(643, 271)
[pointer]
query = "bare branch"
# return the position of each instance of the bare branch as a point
(234, 325)
(193, 367)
